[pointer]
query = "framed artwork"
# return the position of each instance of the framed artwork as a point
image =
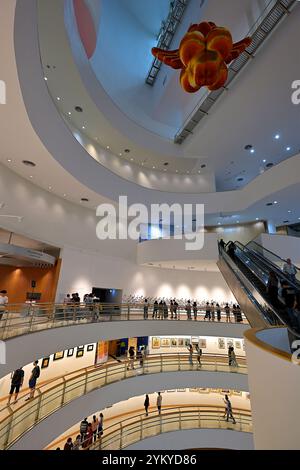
(202, 343)
(237, 393)
(70, 352)
(155, 342)
(170, 391)
(221, 343)
(229, 343)
(195, 339)
(90, 347)
(181, 390)
(80, 347)
(203, 390)
(225, 392)
(238, 345)
(243, 343)
(174, 342)
(187, 342)
(79, 352)
(58, 355)
(180, 342)
(165, 342)
(194, 390)
(45, 362)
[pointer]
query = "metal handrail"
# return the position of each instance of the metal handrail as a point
(138, 427)
(62, 390)
(22, 319)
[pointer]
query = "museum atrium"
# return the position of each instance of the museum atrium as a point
(149, 225)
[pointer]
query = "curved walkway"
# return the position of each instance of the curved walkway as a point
(22, 319)
(17, 419)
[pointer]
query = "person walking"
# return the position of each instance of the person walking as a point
(95, 423)
(190, 350)
(195, 310)
(155, 309)
(100, 425)
(218, 309)
(16, 383)
(131, 358)
(142, 356)
(146, 404)
(3, 302)
(229, 355)
(228, 410)
(35, 373)
(233, 358)
(290, 270)
(227, 311)
(146, 308)
(159, 402)
(212, 311)
(161, 310)
(83, 429)
(199, 354)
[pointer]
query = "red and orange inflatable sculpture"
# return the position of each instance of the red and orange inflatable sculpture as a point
(203, 55)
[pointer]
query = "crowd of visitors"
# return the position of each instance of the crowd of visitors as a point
(89, 433)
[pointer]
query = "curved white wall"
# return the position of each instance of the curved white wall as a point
(52, 427)
(25, 349)
(197, 439)
(274, 384)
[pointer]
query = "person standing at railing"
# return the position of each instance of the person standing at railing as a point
(228, 410)
(88, 438)
(199, 354)
(175, 308)
(161, 310)
(238, 314)
(290, 270)
(16, 383)
(207, 311)
(69, 444)
(166, 311)
(218, 309)
(100, 425)
(77, 443)
(83, 429)
(146, 404)
(159, 402)
(35, 373)
(233, 358)
(188, 309)
(171, 308)
(146, 307)
(131, 358)
(155, 309)
(3, 302)
(212, 311)
(227, 311)
(190, 350)
(95, 423)
(195, 310)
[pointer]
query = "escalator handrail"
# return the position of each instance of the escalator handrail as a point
(281, 320)
(273, 254)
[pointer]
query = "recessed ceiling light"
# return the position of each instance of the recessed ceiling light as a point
(252, 151)
(219, 223)
(131, 159)
(83, 127)
(237, 221)
(108, 147)
(69, 113)
(288, 149)
(84, 199)
(120, 154)
(45, 78)
(58, 98)
(50, 187)
(289, 212)
(9, 160)
(65, 195)
(30, 176)
(277, 136)
(176, 171)
(199, 171)
(28, 163)
(165, 169)
(153, 167)
(275, 202)
(257, 218)
(264, 161)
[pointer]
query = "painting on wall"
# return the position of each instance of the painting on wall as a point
(203, 390)
(202, 343)
(70, 352)
(79, 352)
(58, 355)
(155, 342)
(174, 342)
(180, 342)
(187, 342)
(238, 393)
(165, 342)
(221, 343)
(45, 362)
(238, 345)
(90, 347)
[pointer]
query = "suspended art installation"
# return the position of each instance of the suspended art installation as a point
(203, 55)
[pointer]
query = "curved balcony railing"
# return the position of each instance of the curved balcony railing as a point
(62, 390)
(138, 427)
(22, 319)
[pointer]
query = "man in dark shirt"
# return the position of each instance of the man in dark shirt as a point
(16, 384)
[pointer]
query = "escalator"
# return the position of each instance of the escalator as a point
(246, 273)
